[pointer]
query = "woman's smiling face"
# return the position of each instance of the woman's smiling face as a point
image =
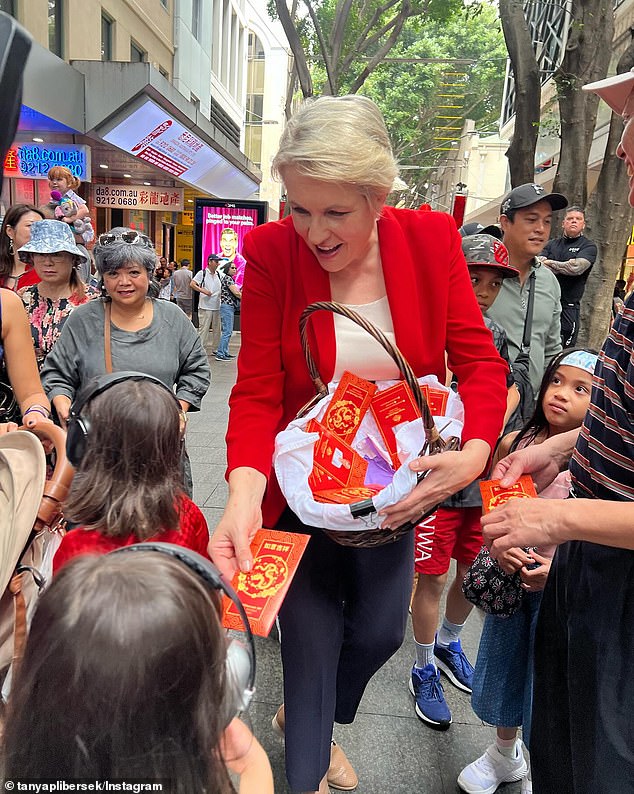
(335, 220)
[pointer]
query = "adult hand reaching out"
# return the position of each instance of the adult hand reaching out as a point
(229, 547)
(448, 473)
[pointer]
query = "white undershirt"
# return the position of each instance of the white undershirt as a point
(360, 353)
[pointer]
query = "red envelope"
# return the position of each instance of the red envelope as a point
(276, 556)
(334, 460)
(390, 408)
(494, 494)
(348, 406)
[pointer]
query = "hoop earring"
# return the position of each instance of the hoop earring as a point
(11, 249)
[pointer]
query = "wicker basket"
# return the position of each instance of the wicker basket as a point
(434, 443)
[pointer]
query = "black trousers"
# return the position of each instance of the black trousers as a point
(569, 324)
(582, 737)
(343, 617)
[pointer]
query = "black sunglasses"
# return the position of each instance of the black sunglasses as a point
(131, 238)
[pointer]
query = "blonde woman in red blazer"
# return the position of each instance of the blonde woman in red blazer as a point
(346, 610)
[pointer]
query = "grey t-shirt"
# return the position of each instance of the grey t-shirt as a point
(182, 280)
(169, 349)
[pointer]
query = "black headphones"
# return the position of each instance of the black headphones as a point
(78, 426)
(240, 669)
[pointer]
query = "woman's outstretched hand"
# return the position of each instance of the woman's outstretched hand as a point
(229, 547)
(448, 473)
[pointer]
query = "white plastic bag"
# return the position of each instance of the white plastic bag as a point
(293, 460)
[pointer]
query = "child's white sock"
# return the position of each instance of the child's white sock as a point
(449, 632)
(507, 747)
(424, 655)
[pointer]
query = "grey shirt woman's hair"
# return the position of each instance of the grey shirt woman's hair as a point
(119, 254)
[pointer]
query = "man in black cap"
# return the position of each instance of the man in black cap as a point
(526, 217)
(571, 257)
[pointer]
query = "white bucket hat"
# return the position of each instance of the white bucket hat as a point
(50, 237)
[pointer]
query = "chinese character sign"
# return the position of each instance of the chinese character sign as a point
(139, 197)
(34, 160)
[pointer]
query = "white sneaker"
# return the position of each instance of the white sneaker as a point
(491, 770)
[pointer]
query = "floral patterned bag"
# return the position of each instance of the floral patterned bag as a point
(489, 588)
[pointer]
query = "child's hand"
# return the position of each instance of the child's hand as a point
(534, 579)
(244, 756)
(513, 559)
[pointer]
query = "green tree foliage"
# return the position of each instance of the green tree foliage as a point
(409, 94)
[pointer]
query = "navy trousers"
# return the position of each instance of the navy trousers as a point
(343, 617)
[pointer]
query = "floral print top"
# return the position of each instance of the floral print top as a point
(47, 317)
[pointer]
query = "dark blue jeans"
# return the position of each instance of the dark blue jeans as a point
(226, 323)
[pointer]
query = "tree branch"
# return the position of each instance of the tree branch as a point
(301, 66)
(356, 47)
(322, 46)
(403, 14)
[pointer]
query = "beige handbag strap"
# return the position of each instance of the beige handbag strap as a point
(106, 336)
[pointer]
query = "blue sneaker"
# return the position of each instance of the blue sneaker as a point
(452, 661)
(431, 706)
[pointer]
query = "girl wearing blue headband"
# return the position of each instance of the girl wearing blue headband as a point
(503, 681)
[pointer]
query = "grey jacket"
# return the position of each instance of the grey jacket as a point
(169, 349)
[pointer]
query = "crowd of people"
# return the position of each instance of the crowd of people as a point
(114, 357)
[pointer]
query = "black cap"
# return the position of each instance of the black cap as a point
(215, 258)
(529, 194)
(469, 229)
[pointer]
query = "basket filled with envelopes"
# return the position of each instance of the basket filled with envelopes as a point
(346, 455)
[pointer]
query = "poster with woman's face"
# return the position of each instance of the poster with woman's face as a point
(223, 231)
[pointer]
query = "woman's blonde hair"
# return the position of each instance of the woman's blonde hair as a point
(339, 139)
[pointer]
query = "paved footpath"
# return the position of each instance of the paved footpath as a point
(392, 751)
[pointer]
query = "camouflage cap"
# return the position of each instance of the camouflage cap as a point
(484, 250)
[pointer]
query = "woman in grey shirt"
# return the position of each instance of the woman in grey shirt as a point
(146, 335)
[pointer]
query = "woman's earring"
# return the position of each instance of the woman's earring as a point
(11, 249)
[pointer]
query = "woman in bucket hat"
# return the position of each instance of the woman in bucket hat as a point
(56, 259)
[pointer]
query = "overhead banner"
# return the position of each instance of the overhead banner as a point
(34, 160)
(152, 135)
(138, 197)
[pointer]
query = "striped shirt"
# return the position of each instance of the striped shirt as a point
(603, 460)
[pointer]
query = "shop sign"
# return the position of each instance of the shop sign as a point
(150, 134)
(138, 197)
(188, 218)
(34, 160)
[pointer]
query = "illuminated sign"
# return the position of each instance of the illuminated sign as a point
(150, 134)
(138, 197)
(34, 160)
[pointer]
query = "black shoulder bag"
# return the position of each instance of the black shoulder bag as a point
(520, 367)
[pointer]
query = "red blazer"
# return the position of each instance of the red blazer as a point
(433, 309)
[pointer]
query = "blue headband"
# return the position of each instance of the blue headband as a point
(580, 359)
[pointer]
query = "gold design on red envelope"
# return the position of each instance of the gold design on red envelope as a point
(349, 403)
(276, 556)
(268, 574)
(494, 494)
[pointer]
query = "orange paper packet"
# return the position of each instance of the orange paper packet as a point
(390, 408)
(276, 556)
(335, 463)
(347, 495)
(494, 494)
(350, 401)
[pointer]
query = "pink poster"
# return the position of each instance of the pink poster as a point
(223, 231)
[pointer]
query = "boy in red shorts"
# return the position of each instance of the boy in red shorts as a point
(454, 531)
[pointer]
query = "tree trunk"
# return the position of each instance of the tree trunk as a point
(586, 59)
(609, 218)
(294, 42)
(521, 152)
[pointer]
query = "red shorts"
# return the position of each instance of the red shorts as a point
(449, 532)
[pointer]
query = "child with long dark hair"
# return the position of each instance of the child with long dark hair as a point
(128, 485)
(503, 680)
(125, 677)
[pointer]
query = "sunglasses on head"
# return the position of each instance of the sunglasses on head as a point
(131, 238)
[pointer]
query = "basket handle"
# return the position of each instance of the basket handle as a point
(434, 442)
